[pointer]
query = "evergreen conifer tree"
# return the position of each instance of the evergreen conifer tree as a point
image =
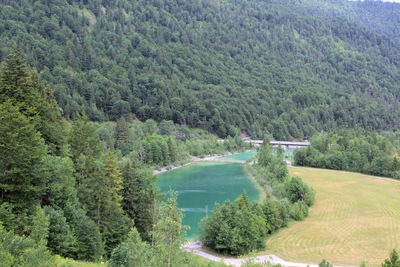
(169, 233)
(22, 151)
(16, 85)
(39, 230)
(139, 198)
(114, 177)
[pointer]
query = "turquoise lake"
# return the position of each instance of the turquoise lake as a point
(200, 185)
(241, 156)
(247, 155)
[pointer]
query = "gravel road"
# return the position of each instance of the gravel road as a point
(196, 248)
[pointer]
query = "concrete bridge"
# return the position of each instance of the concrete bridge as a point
(284, 144)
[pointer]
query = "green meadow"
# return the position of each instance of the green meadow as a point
(355, 219)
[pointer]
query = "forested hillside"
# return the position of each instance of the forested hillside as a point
(85, 191)
(281, 67)
(377, 16)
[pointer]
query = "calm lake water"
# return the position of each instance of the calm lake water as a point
(241, 156)
(247, 155)
(201, 185)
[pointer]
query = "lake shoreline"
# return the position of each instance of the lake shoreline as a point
(263, 194)
(194, 159)
(207, 181)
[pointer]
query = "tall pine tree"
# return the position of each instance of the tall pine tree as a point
(114, 178)
(139, 198)
(16, 85)
(22, 151)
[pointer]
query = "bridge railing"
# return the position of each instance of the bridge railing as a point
(277, 143)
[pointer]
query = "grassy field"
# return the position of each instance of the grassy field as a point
(355, 218)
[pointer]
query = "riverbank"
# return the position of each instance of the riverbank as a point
(256, 183)
(197, 159)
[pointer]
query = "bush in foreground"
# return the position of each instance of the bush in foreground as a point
(235, 228)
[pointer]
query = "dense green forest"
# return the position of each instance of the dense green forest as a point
(86, 191)
(379, 17)
(284, 68)
(96, 94)
(352, 151)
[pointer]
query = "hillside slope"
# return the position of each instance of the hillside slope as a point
(279, 67)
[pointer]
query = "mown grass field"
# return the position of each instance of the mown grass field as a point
(355, 218)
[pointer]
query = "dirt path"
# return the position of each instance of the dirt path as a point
(196, 248)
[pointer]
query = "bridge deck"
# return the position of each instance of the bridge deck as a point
(287, 143)
(276, 143)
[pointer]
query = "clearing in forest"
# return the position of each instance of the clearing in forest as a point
(355, 218)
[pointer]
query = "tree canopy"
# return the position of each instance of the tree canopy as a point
(287, 68)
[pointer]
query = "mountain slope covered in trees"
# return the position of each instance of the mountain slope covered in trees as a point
(86, 192)
(287, 68)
